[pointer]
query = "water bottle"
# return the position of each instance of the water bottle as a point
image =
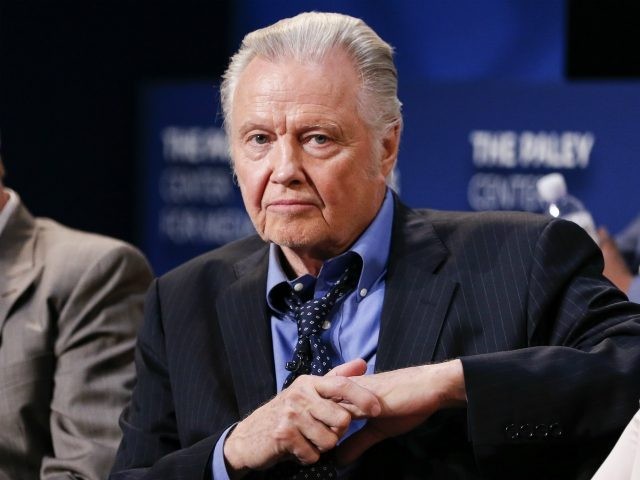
(558, 203)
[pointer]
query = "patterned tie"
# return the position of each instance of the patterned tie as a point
(311, 357)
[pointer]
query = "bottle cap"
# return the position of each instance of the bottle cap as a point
(551, 187)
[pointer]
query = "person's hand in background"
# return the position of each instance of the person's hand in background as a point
(615, 268)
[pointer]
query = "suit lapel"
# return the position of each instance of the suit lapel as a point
(416, 298)
(246, 331)
(18, 264)
(416, 303)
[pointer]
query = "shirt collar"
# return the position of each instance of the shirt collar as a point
(372, 246)
(8, 209)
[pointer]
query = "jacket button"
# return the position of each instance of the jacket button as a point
(541, 431)
(526, 431)
(555, 430)
(511, 431)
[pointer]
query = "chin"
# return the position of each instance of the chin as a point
(293, 242)
(296, 237)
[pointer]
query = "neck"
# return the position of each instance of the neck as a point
(296, 264)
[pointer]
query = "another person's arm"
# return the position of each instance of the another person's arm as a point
(615, 267)
(623, 463)
(94, 344)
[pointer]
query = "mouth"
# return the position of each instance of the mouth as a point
(289, 206)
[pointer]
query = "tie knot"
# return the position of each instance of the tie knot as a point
(303, 300)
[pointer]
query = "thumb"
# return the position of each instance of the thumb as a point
(358, 443)
(354, 368)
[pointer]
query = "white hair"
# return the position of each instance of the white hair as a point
(309, 37)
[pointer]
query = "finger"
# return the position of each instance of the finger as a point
(358, 443)
(322, 437)
(302, 449)
(333, 415)
(353, 368)
(360, 402)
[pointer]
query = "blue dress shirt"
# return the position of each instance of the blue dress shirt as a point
(355, 322)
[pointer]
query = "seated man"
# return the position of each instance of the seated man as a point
(70, 307)
(493, 347)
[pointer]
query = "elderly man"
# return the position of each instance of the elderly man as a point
(463, 345)
(70, 306)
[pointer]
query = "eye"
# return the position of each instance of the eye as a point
(320, 139)
(260, 138)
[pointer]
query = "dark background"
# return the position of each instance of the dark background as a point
(69, 76)
(70, 73)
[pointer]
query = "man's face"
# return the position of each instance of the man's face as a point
(304, 158)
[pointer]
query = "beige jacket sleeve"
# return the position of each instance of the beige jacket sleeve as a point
(94, 370)
(70, 307)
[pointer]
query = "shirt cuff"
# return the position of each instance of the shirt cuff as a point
(634, 290)
(218, 465)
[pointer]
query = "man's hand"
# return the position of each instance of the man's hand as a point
(408, 397)
(302, 421)
(615, 268)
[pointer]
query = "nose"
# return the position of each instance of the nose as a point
(286, 163)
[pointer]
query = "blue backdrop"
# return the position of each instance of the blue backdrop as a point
(486, 113)
(191, 203)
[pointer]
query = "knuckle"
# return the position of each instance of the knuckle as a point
(306, 456)
(282, 433)
(340, 383)
(292, 399)
(288, 416)
(289, 398)
(342, 418)
(303, 381)
(369, 402)
(327, 442)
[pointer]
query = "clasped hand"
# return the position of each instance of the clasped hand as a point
(310, 417)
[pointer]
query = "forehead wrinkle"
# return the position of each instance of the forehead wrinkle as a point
(277, 98)
(302, 115)
(276, 87)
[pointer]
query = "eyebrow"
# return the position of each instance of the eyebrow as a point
(305, 126)
(323, 125)
(248, 126)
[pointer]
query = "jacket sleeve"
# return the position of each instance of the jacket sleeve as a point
(93, 346)
(575, 386)
(151, 446)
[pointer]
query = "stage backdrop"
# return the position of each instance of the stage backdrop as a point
(466, 146)
(483, 146)
(191, 203)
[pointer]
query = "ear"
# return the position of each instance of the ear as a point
(390, 144)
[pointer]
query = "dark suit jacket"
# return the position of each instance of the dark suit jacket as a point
(551, 351)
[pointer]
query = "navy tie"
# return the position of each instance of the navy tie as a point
(311, 354)
(311, 357)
